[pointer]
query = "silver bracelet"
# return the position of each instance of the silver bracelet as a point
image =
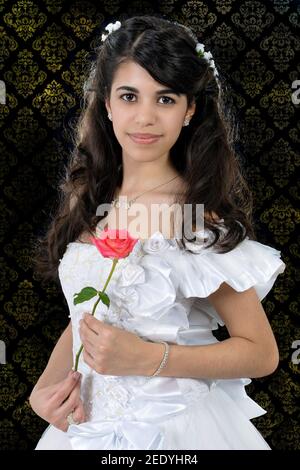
(164, 360)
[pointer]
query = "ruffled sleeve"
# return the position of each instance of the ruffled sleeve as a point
(249, 264)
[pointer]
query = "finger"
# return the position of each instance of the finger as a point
(88, 333)
(90, 350)
(61, 421)
(89, 359)
(59, 418)
(62, 425)
(93, 323)
(50, 390)
(87, 337)
(65, 388)
(70, 403)
(79, 414)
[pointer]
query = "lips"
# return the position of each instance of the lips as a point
(144, 140)
(145, 136)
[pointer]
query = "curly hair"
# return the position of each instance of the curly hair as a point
(203, 154)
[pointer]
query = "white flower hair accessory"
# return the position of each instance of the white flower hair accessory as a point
(199, 46)
(207, 56)
(110, 28)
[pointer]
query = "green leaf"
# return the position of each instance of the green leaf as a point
(105, 299)
(86, 293)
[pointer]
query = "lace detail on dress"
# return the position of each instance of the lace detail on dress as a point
(111, 398)
(133, 397)
(105, 398)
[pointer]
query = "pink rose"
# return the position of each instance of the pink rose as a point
(111, 246)
(114, 243)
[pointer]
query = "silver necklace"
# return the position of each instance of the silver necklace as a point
(116, 202)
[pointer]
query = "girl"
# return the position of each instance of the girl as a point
(152, 374)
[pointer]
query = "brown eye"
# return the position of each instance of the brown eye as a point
(168, 98)
(127, 94)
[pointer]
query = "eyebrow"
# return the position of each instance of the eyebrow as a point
(159, 92)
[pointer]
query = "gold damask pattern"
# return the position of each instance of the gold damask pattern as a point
(250, 68)
(53, 103)
(253, 18)
(278, 105)
(25, 18)
(29, 72)
(53, 46)
(45, 47)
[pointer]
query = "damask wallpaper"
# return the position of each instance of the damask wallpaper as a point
(44, 50)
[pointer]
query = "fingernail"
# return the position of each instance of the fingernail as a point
(76, 375)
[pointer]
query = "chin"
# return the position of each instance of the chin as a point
(143, 159)
(141, 156)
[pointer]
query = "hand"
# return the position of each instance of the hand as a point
(111, 350)
(55, 402)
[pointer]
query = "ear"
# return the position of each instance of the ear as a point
(107, 105)
(192, 108)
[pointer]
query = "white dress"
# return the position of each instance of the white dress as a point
(160, 293)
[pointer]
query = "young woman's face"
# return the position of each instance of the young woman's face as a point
(145, 111)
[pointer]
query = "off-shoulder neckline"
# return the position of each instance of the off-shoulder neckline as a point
(149, 246)
(141, 245)
(141, 241)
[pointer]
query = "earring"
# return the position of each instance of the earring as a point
(186, 122)
(109, 116)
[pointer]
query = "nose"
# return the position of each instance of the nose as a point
(145, 114)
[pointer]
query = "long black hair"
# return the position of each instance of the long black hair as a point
(203, 154)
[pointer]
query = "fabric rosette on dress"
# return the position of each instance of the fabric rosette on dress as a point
(146, 294)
